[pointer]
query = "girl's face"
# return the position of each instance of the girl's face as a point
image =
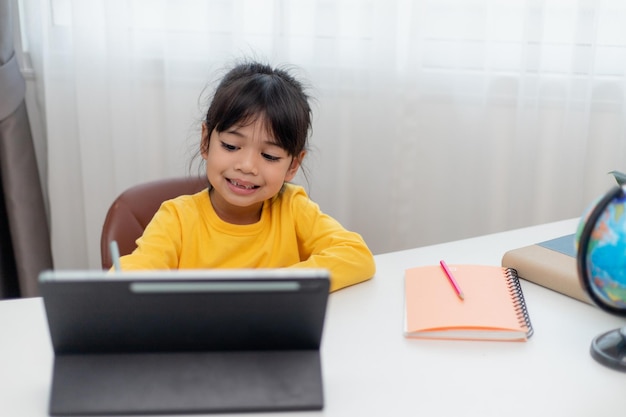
(245, 167)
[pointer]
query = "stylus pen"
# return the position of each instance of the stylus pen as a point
(455, 284)
(115, 255)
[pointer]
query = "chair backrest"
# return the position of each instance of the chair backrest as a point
(132, 210)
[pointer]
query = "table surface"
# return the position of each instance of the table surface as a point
(371, 369)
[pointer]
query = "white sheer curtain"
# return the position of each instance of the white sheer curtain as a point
(434, 120)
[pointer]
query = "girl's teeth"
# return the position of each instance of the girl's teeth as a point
(247, 187)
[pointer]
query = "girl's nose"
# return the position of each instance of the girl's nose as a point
(247, 163)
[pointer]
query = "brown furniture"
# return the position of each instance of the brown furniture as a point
(132, 210)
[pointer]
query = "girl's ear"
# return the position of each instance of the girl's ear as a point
(204, 141)
(295, 164)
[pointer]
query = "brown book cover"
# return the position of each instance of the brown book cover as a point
(551, 264)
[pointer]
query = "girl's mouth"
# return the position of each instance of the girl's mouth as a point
(241, 184)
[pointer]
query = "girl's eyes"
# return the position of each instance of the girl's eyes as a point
(270, 158)
(228, 147)
(266, 156)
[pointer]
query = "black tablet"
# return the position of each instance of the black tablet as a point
(191, 341)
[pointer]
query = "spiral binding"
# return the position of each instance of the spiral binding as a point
(515, 289)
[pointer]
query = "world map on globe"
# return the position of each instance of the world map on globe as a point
(606, 252)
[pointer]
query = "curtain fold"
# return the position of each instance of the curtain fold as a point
(434, 120)
(25, 240)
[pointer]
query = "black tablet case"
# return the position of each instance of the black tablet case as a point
(199, 343)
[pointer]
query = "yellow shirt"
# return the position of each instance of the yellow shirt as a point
(186, 233)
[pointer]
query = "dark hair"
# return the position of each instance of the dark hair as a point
(252, 90)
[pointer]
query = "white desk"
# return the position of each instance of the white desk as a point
(370, 369)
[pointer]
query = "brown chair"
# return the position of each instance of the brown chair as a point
(132, 210)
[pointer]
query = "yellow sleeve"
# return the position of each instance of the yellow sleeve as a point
(325, 243)
(159, 246)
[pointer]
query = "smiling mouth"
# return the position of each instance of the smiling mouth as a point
(242, 185)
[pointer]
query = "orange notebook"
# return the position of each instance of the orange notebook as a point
(493, 307)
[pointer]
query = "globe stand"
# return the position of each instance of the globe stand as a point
(610, 349)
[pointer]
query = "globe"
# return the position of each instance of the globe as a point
(601, 262)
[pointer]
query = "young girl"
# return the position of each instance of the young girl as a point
(254, 138)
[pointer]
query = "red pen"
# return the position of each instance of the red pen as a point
(455, 284)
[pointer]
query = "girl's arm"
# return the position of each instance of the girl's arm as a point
(159, 246)
(327, 244)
